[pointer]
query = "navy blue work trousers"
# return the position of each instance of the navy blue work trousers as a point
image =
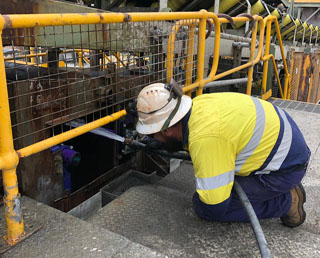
(269, 195)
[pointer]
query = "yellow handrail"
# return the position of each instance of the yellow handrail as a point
(284, 92)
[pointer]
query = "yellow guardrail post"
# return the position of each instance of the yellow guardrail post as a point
(251, 58)
(216, 48)
(283, 92)
(190, 51)
(286, 89)
(266, 60)
(80, 58)
(9, 161)
(201, 50)
(31, 53)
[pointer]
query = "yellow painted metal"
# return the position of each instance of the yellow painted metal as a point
(251, 58)
(216, 49)
(25, 56)
(285, 22)
(265, 61)
(201, 51)
(170, 51)
(277, 75)
(40, 20)
(257, 8)
(286, 32)
(259, 52)
(302, 29)
(199, 83)
(266, 57)
(119, 60)
(80, 59)
(190, 51)
(32, 52)
(8, 161)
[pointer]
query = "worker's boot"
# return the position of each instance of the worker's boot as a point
(296, 215)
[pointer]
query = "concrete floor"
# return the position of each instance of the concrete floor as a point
(158, 220)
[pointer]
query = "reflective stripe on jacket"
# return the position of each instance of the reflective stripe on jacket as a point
(235, 134)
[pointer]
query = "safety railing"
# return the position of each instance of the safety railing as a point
(47, 97)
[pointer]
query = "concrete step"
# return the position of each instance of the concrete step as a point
(63, 235)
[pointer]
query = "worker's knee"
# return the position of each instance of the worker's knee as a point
(207, 211)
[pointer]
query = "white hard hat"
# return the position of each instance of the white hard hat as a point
(155, 104)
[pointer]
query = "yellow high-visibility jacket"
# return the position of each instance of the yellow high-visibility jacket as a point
(235, 134)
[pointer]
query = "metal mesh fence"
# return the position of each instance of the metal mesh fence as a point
(57, 74)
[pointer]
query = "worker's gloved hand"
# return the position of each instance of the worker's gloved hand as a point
(151, 143)
(131, 108)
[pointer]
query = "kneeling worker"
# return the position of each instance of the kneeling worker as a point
(232, 135)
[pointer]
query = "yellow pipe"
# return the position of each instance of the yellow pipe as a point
(117, 56)
(251, 58)
(216, 49)
(45, 144)
(287, 75)
(9, 161)
(86, 59)
(170, 51)
(267, 56)
(190, 52)
(109, 60)
(285, 21)
(256, 60)
(118, 59)
(80, 59)
(276, 71)
(32, 52)
(191, 87)
(40, 20)
(266, 52)
(25, 56)
(277, 75)
(201, 51)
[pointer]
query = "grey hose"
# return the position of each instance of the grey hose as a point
(262, 242)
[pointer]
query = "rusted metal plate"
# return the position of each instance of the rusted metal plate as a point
(315, 62)
(305, 78)
(295, 68)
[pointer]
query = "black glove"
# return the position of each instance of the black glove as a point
(131, 109)
(152, 144)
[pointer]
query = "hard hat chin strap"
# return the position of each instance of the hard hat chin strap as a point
(172, 114)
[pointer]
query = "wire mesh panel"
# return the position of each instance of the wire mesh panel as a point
(56, 74)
